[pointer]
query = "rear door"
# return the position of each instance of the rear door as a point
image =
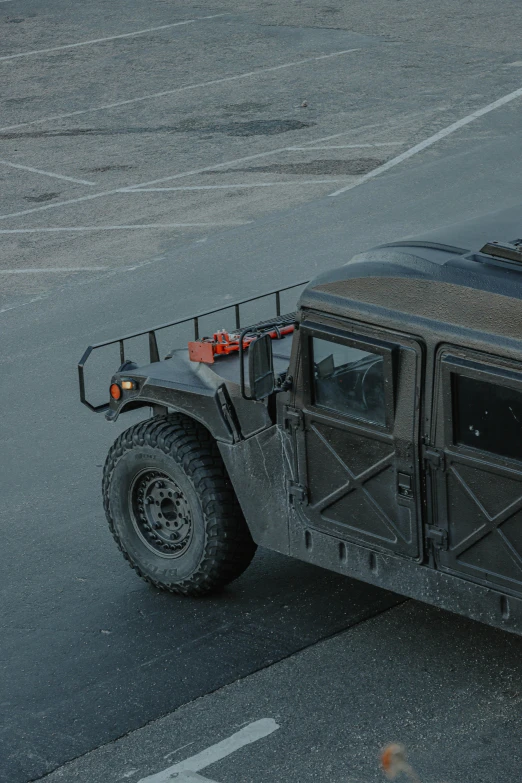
(359, 437)
(478, 484)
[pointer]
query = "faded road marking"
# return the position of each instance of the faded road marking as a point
(455, 126)
(56, 229)
(174, 90)
(109, 38)
(246, 736)
(45, 173)
(52, 269)
(231, 187)
(350, 146)
(193, 172)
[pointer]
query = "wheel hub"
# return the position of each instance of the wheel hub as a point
(161, 513)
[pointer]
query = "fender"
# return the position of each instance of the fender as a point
(176, 384)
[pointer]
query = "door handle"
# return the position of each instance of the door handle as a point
(405, 485)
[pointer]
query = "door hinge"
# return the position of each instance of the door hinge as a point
(437, 536)
(292, 418)
(433, 457)
(297, 492)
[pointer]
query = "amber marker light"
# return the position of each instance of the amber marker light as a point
(128, 385)
(115, 391)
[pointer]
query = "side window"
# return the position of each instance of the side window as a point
(349, 380)
(487, 416)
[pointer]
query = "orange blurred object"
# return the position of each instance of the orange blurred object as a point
(393, 762)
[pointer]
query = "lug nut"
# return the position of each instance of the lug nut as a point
(156, 525)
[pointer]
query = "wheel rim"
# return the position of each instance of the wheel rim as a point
(161, 513)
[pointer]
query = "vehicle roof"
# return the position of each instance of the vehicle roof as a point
(439, 275)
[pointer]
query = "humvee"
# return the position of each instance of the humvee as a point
(376, 431)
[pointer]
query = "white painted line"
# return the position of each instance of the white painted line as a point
(173, 752)
(251, 733)
(163, 93)
(455, 126)
(120, 228)
(351, 146)
(231, 187)
(45, 173)
(53, 269)
(344, 133)
(193, 172)
(109, 38)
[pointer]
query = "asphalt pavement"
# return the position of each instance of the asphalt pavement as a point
(446, 688)
(89, 653)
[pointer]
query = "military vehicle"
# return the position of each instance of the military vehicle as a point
(376, 431)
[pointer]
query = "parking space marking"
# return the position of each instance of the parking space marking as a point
(57, 229)
(232, 186)
(53, 269)
(193, 172)
(109, 38)
(429, 142)
(45, 173)
(174, 90)
(351, 146)
(245, 736)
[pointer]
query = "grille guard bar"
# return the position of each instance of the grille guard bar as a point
(153, 342)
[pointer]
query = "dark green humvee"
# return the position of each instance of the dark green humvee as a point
(376, 431)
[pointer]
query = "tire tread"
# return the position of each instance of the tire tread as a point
(229, 547)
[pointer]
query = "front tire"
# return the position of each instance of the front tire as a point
(171, 507)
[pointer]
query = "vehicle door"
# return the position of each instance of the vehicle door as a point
(478, 480)
(360, 435)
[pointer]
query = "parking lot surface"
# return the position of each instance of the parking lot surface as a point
(447, 688)
(128, 130)
(94, 245)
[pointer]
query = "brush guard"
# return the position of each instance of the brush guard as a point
(279, 322)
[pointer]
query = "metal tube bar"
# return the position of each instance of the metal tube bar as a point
(198, 315)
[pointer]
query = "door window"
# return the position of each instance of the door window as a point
(349, 380)
(487, 416)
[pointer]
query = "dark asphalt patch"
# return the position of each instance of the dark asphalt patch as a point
(250, 128)
(115, 167)
(355, 166)
(42, 197)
